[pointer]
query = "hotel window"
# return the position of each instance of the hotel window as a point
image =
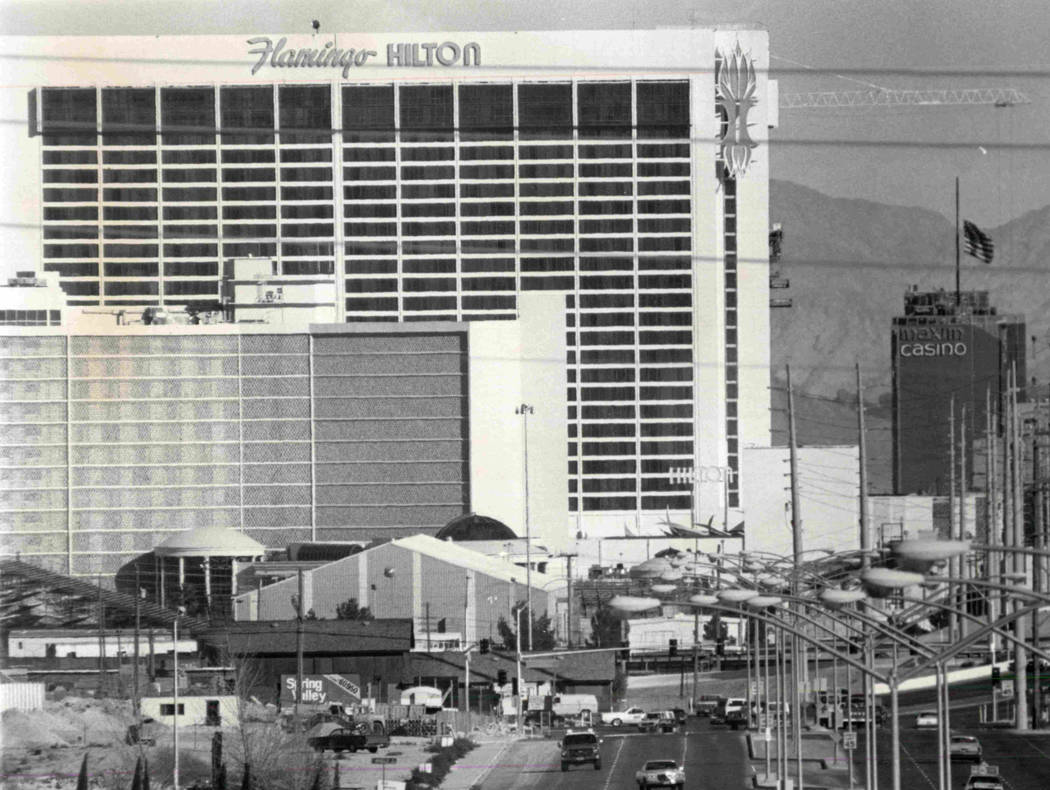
(368, 113)
(247, 116)
(426, 113)
(69, 116)
(305, 114)
(545, 111)
(663, 109)
(129, 116)
(187, 116)
(486, 112)
(604, 110)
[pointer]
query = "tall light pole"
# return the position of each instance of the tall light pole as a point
(525, 410)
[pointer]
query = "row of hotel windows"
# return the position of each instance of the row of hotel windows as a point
(425, 113)
(369, 153)
(363, 229)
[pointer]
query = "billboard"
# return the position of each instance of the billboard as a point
(323, 689)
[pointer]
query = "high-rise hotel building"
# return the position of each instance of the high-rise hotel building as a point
(438, 177)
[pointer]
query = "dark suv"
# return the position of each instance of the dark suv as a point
(581, 746)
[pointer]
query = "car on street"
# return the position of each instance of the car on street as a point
(728, 708)
(680, 716)
(984, 777)
(927, 719)
(965, 747)
(659, 721)
(660, 773)
(580, 747)
(619, 718)
(706, 704)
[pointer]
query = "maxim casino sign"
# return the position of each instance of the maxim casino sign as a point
(279, 55)
(931, 341)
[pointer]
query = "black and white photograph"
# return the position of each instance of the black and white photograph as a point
(479, 395)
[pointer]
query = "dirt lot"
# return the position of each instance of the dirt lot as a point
(44, 749)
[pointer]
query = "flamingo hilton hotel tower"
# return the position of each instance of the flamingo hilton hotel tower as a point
(438, 177)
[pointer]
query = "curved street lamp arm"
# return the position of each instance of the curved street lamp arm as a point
(1009, 637)
(976, 636)
(776, 622)
(893, 633)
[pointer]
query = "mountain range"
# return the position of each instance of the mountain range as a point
(849, 263)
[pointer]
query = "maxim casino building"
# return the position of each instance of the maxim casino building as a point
(438, 177)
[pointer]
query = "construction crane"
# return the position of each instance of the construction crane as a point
(887, 97)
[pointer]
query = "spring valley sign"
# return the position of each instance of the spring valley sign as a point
(279, 55)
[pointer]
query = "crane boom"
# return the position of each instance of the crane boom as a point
(999, 97)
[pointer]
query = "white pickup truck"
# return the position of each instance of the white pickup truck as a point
(617, 718)
(660, 773)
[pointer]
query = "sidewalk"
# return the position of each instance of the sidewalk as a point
(472, 770)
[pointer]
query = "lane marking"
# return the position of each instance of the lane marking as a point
(922, 770)
(612, 768)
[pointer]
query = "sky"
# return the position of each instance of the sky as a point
(901, 156)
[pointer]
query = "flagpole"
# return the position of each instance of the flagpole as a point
(958, 289)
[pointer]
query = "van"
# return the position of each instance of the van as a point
(731, 706)
(574, 704)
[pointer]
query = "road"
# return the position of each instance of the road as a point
(1023, 760)
(715, 759)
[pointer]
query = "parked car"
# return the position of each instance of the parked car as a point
(965, 747)
(926, 719)
(706, 704)
(579, 747)
(660, 773)
(660, 721)
(619, 718)
(347, 739)
(680, 716)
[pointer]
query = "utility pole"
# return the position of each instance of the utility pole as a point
(1020, 654)
(427, 609)
(953, 621)
(138, 624)
(568, 615)
(992, 489)
(865, 535)
(101, 641)
(796, 542)
(298, 645)
(1037, 566)
(525, 410)
(175, 700)
(961, 569)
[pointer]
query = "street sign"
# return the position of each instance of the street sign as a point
(383, 760)
(1006, 691)
(849, 741)
(767, 735)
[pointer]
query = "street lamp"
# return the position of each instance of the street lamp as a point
(525, 410)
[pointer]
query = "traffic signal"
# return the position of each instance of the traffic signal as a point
(501, 677)
(672, 648)
(514, 686)
(483, 646)
(997, 677)
(720, 648)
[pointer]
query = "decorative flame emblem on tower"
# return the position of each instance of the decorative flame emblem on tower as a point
(735, 97)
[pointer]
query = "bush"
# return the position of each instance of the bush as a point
(442, 761)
